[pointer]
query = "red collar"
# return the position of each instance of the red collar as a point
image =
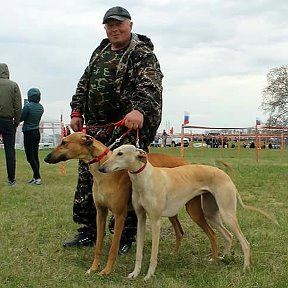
(100, 157)
(139, 170)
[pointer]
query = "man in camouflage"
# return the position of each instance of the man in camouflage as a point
(122, 81)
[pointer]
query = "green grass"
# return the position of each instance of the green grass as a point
(35, 220)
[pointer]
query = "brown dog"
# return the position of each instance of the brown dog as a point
(113, 191)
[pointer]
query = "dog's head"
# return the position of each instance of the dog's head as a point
(126, 157)
(75, 146)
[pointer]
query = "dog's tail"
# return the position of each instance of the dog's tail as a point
(248, 207)
(228, 168)
(230, 171)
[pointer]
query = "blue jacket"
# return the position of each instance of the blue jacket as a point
(32, 111)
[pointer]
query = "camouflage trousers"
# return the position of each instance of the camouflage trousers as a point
(84, 210)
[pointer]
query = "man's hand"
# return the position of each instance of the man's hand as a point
(134, 119)
(76, 124)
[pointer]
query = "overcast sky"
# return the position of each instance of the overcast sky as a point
(214, 54)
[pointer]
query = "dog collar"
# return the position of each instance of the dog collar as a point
(100, 157)
(139, 170)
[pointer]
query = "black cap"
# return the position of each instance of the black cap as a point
(117, 13)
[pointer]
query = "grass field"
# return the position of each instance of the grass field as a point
(35, 220)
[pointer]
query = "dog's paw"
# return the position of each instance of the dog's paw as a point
(91, 270)
(105, 272)
(150, 273)
(133, 274)
(147, 277)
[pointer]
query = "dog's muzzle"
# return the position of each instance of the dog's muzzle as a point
(52, 160)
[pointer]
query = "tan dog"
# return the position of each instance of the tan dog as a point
(164, 191)
(112, 192)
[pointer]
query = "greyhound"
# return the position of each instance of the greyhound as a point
(158, 191)
(113, 191)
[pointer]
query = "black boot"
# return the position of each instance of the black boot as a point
(125, 245)
(85, 237)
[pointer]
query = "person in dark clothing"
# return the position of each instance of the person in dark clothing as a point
(122, 81)
(31, 115)
(67, 131)
(10, 111)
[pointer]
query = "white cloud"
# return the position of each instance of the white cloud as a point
(214, 54)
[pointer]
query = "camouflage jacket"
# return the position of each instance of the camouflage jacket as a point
(138, 85)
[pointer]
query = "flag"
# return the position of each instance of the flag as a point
(258, 122)
(186, 117)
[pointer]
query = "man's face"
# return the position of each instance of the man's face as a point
(118, 33)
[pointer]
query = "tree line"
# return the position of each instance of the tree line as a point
(275, 97)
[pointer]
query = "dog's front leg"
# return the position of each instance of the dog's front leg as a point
(141, 226)
(155, 246)
(118, 228)
(101, 223)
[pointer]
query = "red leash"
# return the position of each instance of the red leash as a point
(120, 123)
(119, 139)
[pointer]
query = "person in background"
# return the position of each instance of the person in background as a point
(31, 115)
(164, 138)
(67, 131)
(122, 81)
(10, 112)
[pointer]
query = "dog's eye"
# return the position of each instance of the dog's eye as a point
(120, 153)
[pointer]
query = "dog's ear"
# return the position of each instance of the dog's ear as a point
(87, 140)
(142, 155)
